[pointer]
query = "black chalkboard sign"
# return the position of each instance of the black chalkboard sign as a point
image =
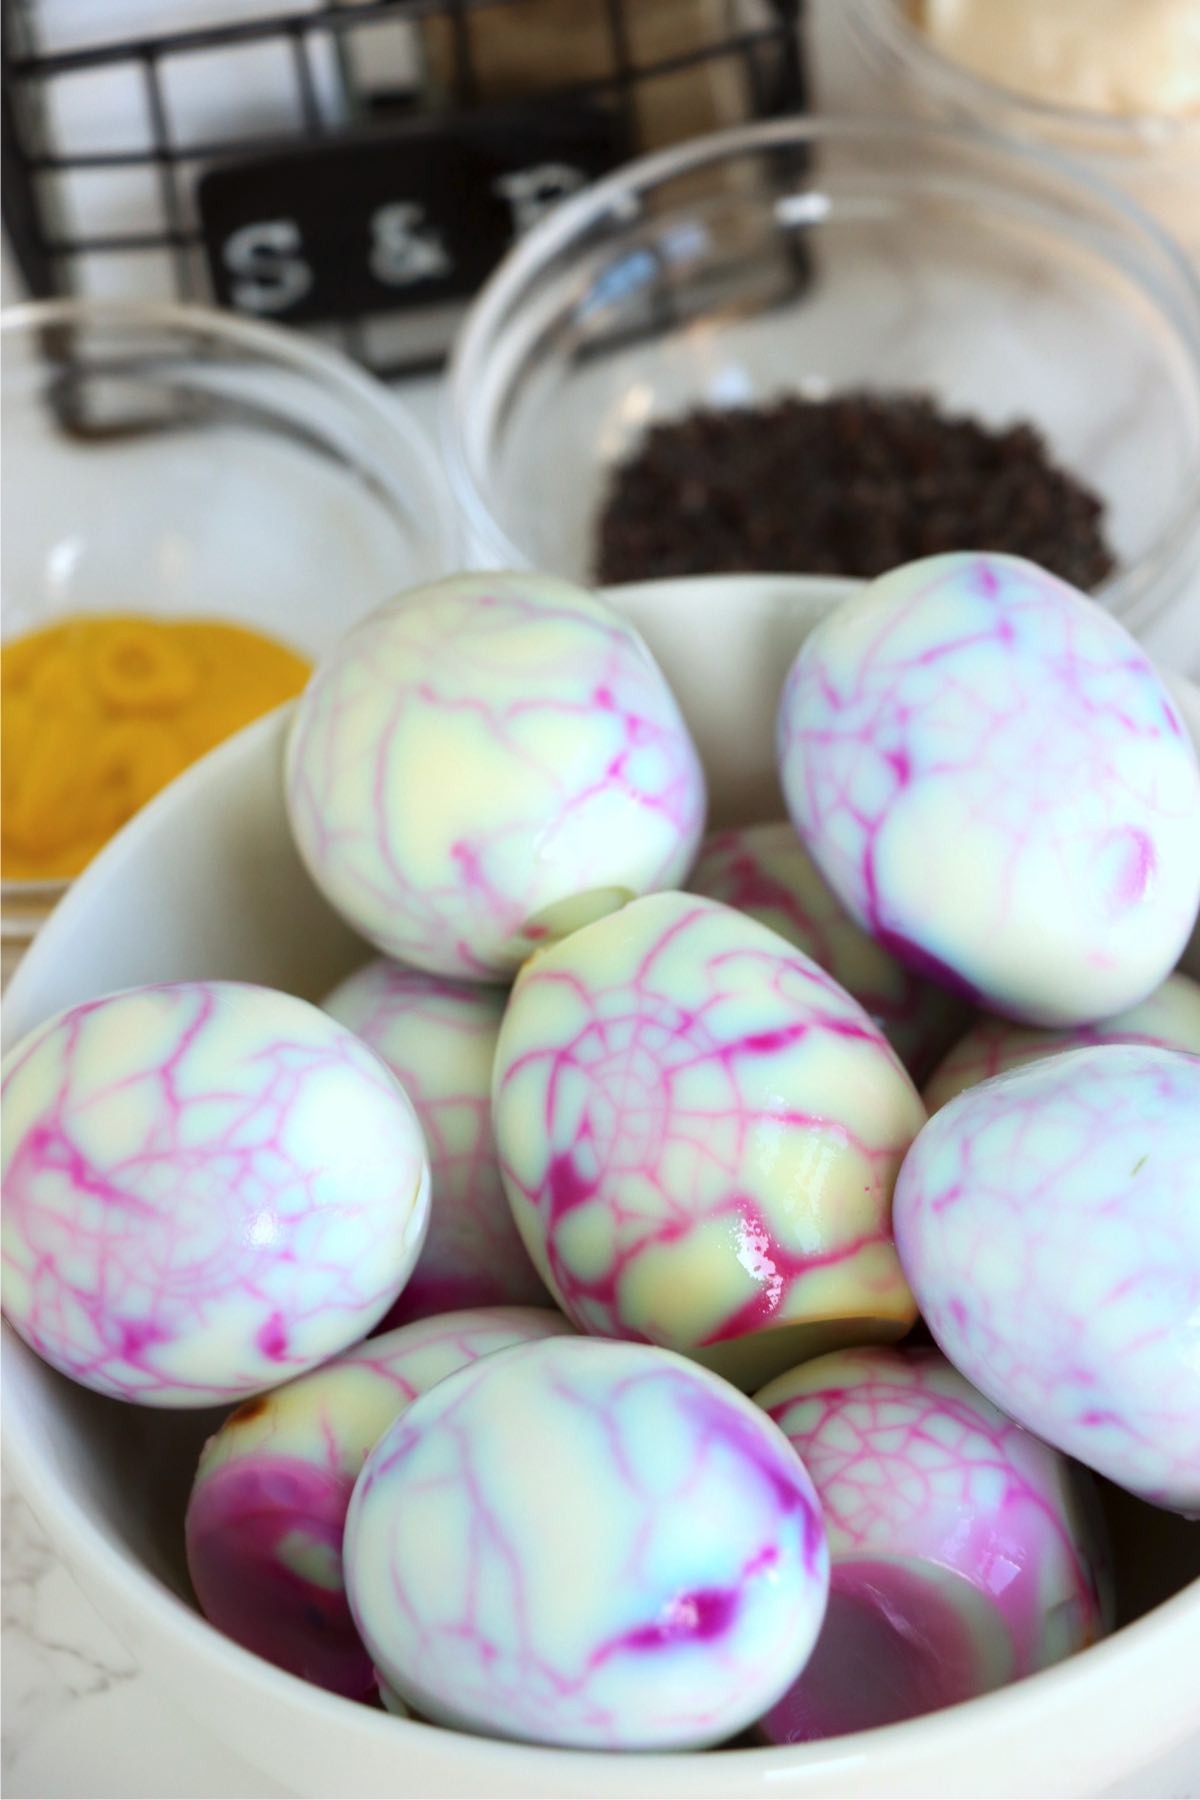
(406, 218)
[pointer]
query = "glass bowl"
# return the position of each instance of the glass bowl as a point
(171, 460)
(818, 255)
(1154, 158)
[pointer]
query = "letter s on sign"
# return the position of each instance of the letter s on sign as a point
(272, 276)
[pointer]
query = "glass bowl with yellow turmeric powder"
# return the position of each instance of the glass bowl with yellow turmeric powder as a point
(194, 506)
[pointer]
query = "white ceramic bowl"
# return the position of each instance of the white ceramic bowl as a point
(205, 882)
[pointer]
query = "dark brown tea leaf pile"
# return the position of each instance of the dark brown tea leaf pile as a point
(854, 485)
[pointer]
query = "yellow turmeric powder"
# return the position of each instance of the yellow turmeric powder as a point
(99, 712)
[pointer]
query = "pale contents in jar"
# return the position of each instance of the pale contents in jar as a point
(1130, 57)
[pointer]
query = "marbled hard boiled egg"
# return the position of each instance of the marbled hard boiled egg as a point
(964, 1553)
(764, 870)
(589, 1544)
(990, 774)
(1049, 1222)
(208, 1188)
(268, 1505)
(699, 1131)
(1170, 1017)
(486, 763)
(439, 1038)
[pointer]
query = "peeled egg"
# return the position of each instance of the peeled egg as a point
(964, 1553)
(587, 1544)
(765, 871)
(991, 776)
(208, 1188)
(485, 764)
(1049, 1223)
(699, 1132)
(268, 1505)
(1170, 1017)
(439, 1038)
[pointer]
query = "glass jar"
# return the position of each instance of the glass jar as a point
(1154, 159)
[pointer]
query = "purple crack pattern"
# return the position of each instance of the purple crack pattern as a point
(991, 776)
(765, 871)
(268, 1506)
(1049, 1225)
(1170, 1018)
(588, 1544)
(965, 1553)
(208, 1188)
(485, 763)
(699, 1131)
(438, 1037)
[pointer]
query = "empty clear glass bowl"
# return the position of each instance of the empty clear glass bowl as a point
(171, 460)
(811, 256)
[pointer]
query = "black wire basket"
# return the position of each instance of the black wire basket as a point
(359, 166)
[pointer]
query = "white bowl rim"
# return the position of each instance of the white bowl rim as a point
(1171, 1626)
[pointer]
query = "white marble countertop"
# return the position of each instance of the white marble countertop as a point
(78, 1716)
